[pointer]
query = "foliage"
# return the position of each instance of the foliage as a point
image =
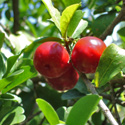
(24, 93)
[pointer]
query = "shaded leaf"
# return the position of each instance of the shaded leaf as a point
(82, 110)
(101, 23)
(2, 36)
(66, 17)
(2, 65)
(48, 111)
(111, 63)
(121, 33)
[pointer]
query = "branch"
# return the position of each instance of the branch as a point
(102, 105)
(118, 19)
(16, 24)
(114, 104)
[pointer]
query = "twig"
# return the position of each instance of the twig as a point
(118, 19)
(102, 105)
(114, 104)
(116, 100)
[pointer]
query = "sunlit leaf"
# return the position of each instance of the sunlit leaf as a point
(66, 17)
(55, 14)
(48, 111)
(82, 110)
(111, 63)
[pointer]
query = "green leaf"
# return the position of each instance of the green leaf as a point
(121, 33)
(18, 77)
(82, 110)
(10, 97)
(48, 111)
(32, 28)
(66, 17)
(10, 63)
(78, 15)
(55, 14)
(101, 23)
(2, 65)
(70, 2)
(81, 26)
(10, 112)
(2, 36)
(111, 63)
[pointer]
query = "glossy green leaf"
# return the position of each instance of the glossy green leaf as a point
(79, 29)
(111, 63)
(55, 14)
(82, 110)
(2, 36)
(66, 17)
(78, 15)
(70, 2)
(121, 33)
(25, 73)
(48, 111)
(2, 65)
(101, 23)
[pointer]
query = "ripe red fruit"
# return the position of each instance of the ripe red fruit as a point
(86, 54)
(65, 82)
(51, 59)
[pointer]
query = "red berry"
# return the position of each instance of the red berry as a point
(65, 82)
(51, 59)
(86, 54)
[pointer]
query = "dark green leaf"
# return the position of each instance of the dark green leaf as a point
(48, 111)
(121, 33)
(111, 63)
(101, 23)
(2, 36)
(2, 65)
(82, 110)
(10, 112)
(66, 18)
(55, 14)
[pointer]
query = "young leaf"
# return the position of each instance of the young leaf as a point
(55, 14)
(82, 110)
(48, 111)
(66, 18)
(111, 63)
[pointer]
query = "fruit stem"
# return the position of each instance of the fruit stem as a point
(102, 105)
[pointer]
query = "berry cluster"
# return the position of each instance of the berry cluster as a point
(52, 60)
